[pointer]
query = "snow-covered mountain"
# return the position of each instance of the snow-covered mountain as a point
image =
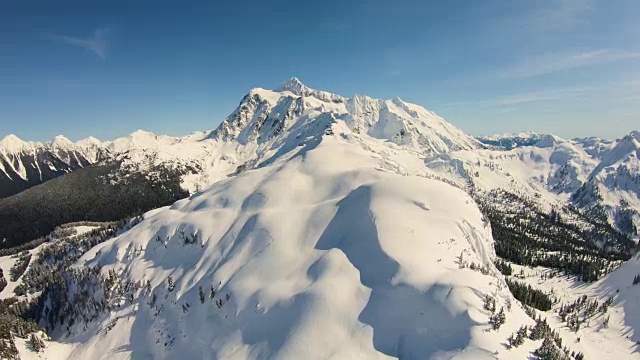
(593, 174)
(601, 177)
(264, 114)
(510, 141)
(319, 228)
(25, 164)
(285, 274)
(264, 121)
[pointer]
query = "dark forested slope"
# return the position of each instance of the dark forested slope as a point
(97, 193)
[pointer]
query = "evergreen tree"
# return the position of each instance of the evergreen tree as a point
(521, 335)
(489, 303)
(497, 320)
(530, 296)
(549, 351)
(36, 342)
(201, 293)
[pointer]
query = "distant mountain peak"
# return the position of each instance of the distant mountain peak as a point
(293, 85)
(90, 141)
(12, 143)
(142, 133)
(266, 114)
(61, 141)
(635, 134)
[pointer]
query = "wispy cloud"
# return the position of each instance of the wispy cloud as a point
(560, 15)
(547, 64)
(98, 43)
(506, 110)
(538, 96)
(527, 98)
(634, 98)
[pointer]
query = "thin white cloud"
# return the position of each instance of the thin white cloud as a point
(630, 98)
(524, 99)
(561, 15)
(548, 95)
(547, 64)
(506, 110)
(98, 43)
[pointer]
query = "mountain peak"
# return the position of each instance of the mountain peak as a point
(90, 141)
(12, 143)
(142, 133)
(61, 141)
(293, 85)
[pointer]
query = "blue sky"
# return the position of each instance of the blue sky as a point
(81, 68)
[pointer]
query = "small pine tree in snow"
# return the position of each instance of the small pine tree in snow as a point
(521, 335)
(170, 284)
(36, 342)
(549, 351)
(497, 320)
(201, 293)
(540, 330)
(636, 280)
(489, 304)
(605, 306)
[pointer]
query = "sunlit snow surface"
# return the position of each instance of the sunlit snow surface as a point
(332, 242)
(339, 261)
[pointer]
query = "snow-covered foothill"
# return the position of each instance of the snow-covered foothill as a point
(310, 261)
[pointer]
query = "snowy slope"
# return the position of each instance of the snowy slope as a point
(320, 230)
(598, 176)
(7, 262)
(613, 187)
(605, 335)
(318, 262)
(620, 284)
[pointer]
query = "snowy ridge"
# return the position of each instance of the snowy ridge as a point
(598, 176)
(263, 114)
(389, 287)
(510, 141)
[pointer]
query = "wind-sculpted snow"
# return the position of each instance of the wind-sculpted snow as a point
(317, 256)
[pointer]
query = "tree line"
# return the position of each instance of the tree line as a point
(97, 193)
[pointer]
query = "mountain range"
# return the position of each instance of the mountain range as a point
(596, 175)
(318, 226)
